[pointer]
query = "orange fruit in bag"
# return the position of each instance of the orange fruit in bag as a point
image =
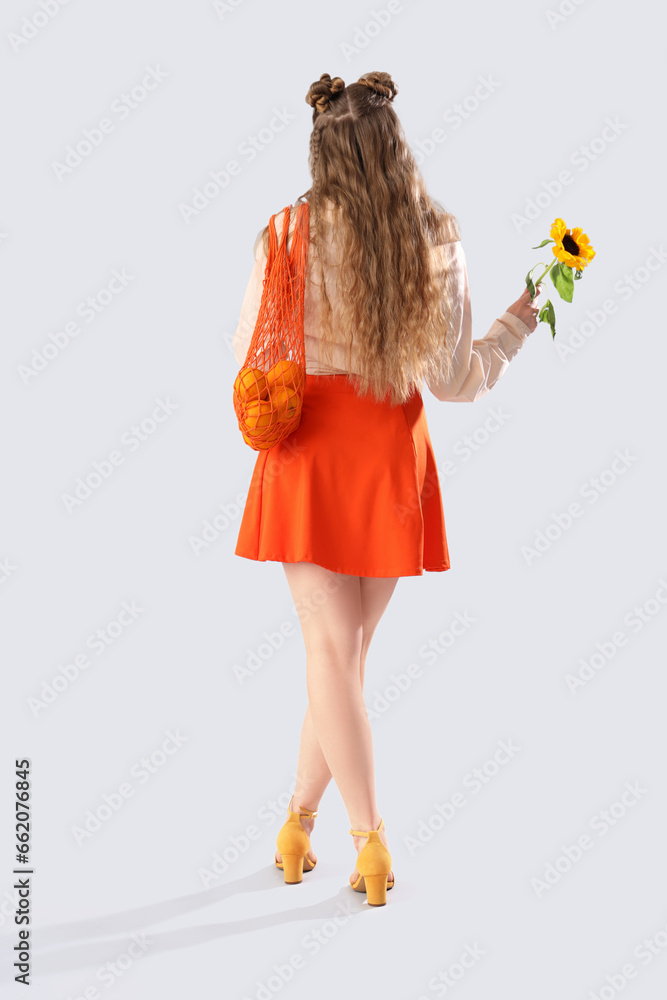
(251, 384)
(286, 401)
(285, 372)
(259, 415)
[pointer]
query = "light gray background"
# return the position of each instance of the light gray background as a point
(168, 336)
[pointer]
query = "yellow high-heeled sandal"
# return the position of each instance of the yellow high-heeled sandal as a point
(293, 845)
(374, 867)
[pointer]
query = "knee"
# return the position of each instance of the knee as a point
(339, 653)
(366, 637)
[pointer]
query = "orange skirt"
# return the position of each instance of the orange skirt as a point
(354, 488)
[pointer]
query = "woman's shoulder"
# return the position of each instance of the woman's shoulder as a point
(448, 228)
(278, 217)
(447, 253)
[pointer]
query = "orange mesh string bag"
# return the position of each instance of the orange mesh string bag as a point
(268, 390)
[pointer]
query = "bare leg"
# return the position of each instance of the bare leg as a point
(375, 595)
(338, 614)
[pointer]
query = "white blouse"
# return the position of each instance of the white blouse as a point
(477, 364)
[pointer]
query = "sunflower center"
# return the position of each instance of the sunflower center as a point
(570, 245)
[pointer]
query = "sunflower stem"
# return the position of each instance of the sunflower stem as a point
(544, 273)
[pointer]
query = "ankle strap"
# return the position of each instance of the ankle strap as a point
(364, 833)
(309, 813)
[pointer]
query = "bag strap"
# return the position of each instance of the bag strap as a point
(300, 236)
(273, 237)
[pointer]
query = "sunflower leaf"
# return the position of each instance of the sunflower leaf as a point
(530, 285)
(577, 275)
(561, 275)
(543, 244)
(547, 315)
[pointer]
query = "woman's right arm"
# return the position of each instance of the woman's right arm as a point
(479, 364)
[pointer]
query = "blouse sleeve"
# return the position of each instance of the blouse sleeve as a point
(251, 303)
(477, 364)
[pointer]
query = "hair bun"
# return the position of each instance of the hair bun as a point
(320, 93)
(381, 83)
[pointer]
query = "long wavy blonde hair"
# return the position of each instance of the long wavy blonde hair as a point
(368, 197)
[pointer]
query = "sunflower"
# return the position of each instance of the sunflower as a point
(572, 248)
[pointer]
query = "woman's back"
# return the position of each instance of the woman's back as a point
(477, 364)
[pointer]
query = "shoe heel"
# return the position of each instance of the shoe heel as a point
(376, 889)
(374, 865)
(293, 867)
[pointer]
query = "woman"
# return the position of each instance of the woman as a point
(350, 501)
